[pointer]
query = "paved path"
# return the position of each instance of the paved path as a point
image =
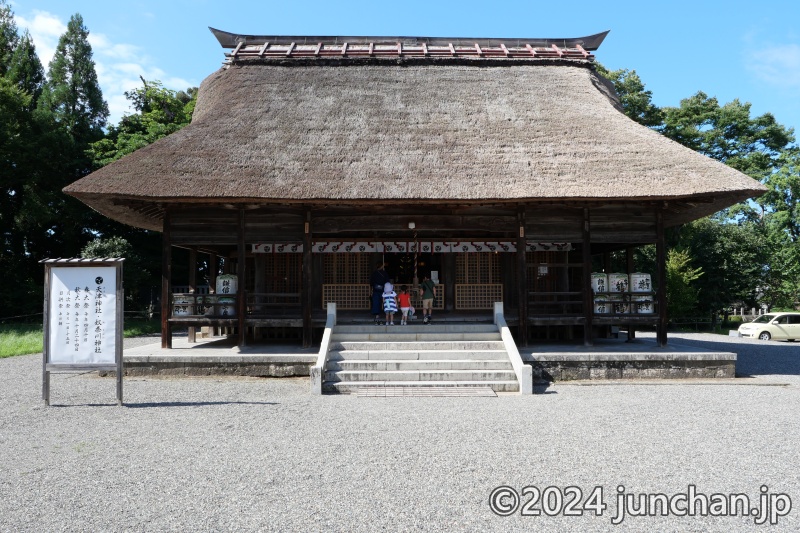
(265, 455)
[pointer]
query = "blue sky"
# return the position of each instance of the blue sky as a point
(732, 49)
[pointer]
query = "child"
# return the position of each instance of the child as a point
(405, 304)
(390, 306)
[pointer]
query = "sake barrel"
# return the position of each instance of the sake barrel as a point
(182, 306)
(602, 306)
(599, 282)
(644, 304)
(617, 282)
(227, 284)
(617, 304)
(640, 282)
(226, 307)
(209, 302)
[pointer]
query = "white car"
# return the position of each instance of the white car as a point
(783, 326)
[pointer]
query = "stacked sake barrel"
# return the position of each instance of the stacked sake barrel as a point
(611, 290)
(227, 287)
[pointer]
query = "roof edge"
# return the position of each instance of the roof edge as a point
(232, 40)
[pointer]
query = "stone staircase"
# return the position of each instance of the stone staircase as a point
(417, 355)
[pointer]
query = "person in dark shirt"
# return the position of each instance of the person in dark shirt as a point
(377, 280)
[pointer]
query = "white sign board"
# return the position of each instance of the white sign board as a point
(83, 315)
(82, 318)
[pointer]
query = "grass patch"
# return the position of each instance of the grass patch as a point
(21, 339)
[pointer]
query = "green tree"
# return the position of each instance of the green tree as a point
(160, 112)
(728, 133)
(136, 272)
(73, 93)
(26, 70)
(682, 295)
(8, 36)
(635, 99)
(732, 258)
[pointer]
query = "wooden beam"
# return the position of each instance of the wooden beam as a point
(166, 283)
(582, 50)
(505, 50)
(318, 50)
(290, 50)
(531, 50)
(236, 50)
(344, 49)
(371, 49)
(305, 297)
(478, 49)
(588, 307)
(263, 49)
(557, 50)
(192, 331)
(661, 294)
(425, 49)
(452, 49)
(629, 262)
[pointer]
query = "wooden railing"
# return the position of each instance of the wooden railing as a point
(262, 304)
(478, 295)
(555, 303)
(357, 296)
(186, 304)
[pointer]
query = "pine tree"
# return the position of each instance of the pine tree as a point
(25, 69)
(73, 93)
(8, 36)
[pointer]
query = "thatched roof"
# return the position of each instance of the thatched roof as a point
(410, 130)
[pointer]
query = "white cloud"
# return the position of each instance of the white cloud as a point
(45, 29)
(118, 65)
(776, 65)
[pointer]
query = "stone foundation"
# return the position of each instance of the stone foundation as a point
(554, 367)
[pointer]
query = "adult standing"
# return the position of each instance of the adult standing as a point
(377, 281)
(428, 295)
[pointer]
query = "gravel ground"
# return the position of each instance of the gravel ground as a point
(265, 455)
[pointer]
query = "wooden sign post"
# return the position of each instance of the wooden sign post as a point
(83, 318)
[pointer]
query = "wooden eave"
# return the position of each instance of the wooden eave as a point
(290, 47)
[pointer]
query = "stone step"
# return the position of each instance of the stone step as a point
(416, 355)
(420, 375)
(398, 335)
(416, 327)
(421, 366)
(349, 387)
(369, 346)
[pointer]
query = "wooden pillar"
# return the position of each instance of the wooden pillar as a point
(522, 279)
(260, 265)
(588, 309)
(213, 265)
(630, 267)
(166, 282)
(240, 273)
(192, 331)
(449, 275)
(305, 296)
(661, 265)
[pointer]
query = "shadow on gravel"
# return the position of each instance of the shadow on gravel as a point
(161, 404)
(191, 404)
(756, 358)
